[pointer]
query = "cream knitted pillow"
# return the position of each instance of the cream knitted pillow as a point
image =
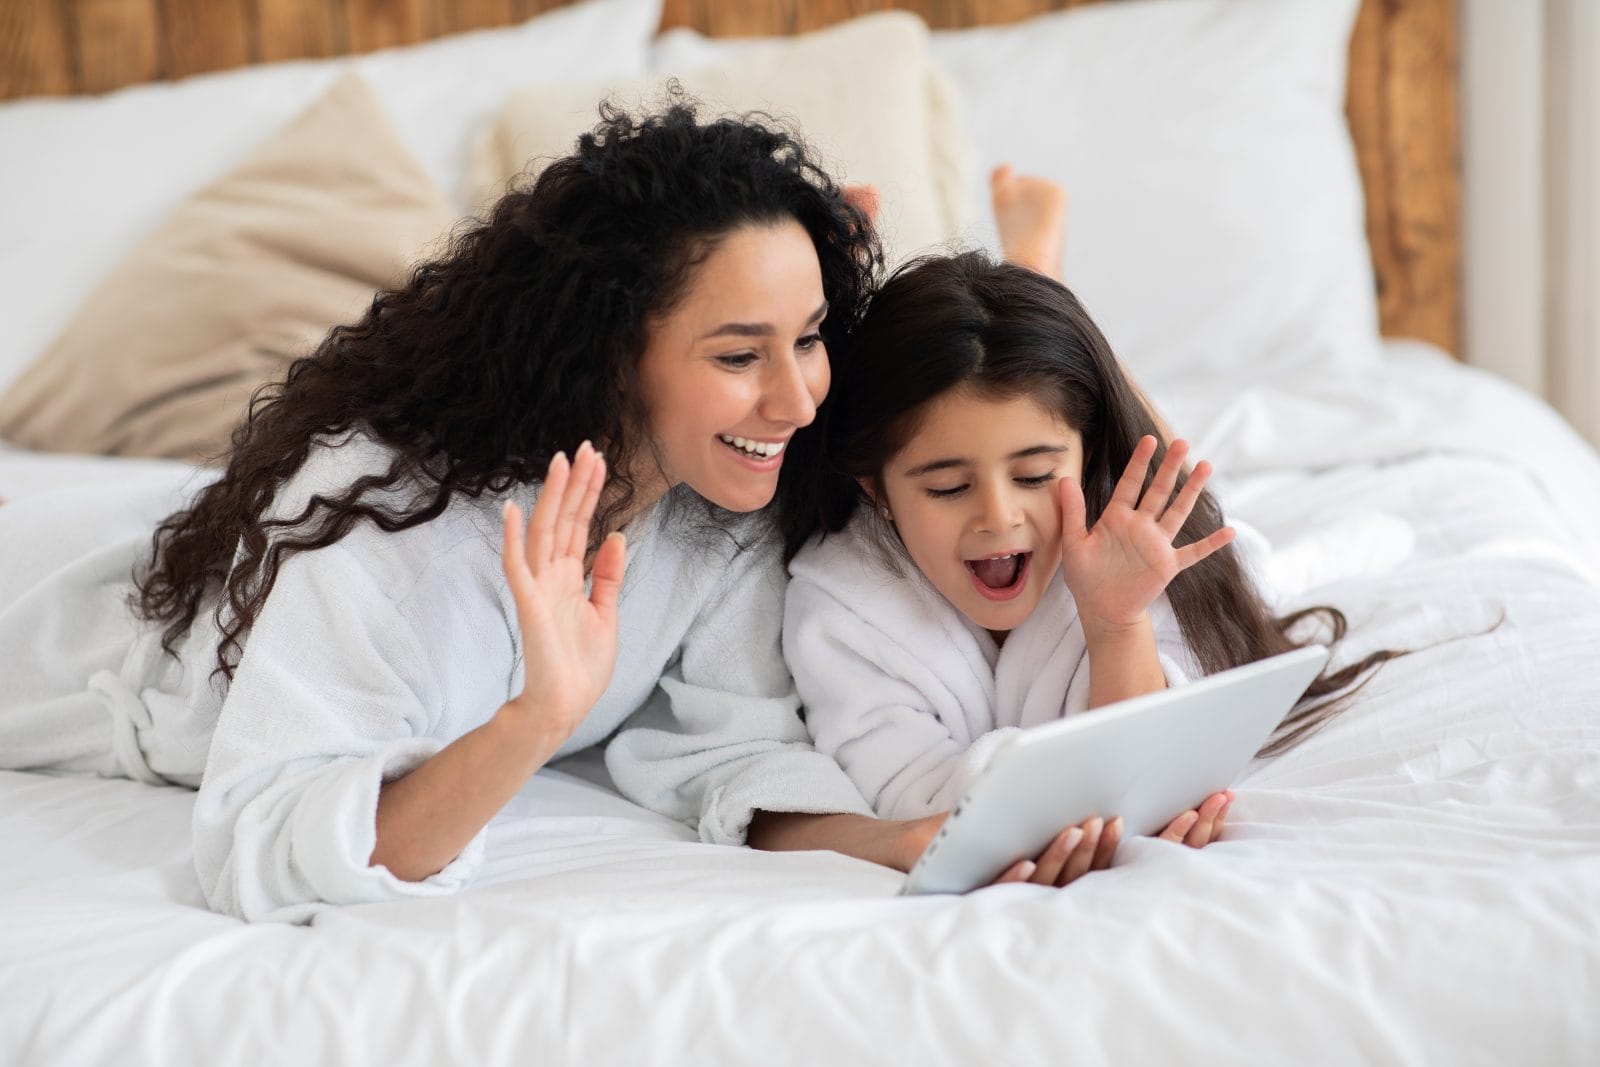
(243, 278)
(864, 93)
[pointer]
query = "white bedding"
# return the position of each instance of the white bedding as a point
(1418, 883)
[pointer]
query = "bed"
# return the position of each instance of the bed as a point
(1419, 882)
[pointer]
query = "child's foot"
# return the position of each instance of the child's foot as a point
(864, 198)
(1031, 215)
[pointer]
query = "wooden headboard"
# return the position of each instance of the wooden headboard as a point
(1402, 99)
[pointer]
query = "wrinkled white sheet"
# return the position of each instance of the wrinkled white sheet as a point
(1418, 883)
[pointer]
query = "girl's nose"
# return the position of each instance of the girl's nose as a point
(999, 510)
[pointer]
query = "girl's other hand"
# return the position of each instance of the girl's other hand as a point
(1200, 826)
(569, 638)
(1117, 570)
(1075, 852)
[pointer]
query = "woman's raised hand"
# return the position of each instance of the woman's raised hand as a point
(1117, 569)
(569, 638)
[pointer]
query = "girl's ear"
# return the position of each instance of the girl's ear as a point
(869, 489)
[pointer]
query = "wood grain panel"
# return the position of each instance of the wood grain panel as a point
(300, 29)
(34, 55)
(1401, 103)
(374, 24)
(118, 42)
(202, 35)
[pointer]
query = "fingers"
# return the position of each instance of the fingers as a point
(570, 524)
(1020, 871)
(1047, 869)
(1156, 497)
(1074, 517)
(1132, 480)
(1082, 859)
(1200, 826)
(1178, 828)
(1208, 820)
(1174, 517)
(1109, 840)
(1189, 555)
(513, 552)
(542, 526)
(609, 565)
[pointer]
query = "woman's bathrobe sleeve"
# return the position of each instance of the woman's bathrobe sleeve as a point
(721, 737)
(336, 692)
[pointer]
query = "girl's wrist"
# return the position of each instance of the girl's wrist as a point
(1098, 631)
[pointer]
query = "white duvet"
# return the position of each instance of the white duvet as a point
(1418, 883)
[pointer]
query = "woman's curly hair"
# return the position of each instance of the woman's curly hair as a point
(521, 340)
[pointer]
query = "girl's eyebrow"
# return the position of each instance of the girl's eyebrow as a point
(945, 464)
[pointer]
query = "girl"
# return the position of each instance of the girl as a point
(352, 644)
(992, 549)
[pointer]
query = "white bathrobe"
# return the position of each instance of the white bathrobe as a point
(371, 655)
(907, 693)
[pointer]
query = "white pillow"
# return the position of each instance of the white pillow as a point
(1216, 222)
(865, 95)
(1216, 225)
(86, 178)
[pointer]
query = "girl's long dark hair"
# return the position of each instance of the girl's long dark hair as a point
(522, 339)
(942, 323)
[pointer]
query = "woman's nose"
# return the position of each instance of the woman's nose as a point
(787, 397)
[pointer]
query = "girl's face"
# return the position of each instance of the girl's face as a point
(737, 367)
(974, 498)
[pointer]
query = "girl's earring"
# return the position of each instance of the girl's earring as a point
(883, 509)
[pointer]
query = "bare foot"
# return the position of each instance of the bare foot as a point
(864, 198)
(1031, 215)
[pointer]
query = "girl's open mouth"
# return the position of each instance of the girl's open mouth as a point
(1000, 577)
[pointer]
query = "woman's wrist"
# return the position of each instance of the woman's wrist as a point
(527, 734)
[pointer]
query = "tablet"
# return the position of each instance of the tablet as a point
(1146, 759)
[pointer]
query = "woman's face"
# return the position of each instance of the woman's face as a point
(737, 367)
(974, 498)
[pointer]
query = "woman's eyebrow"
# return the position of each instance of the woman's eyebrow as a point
(961, 461)
(759, 329)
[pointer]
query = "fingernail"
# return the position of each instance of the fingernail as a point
(1116, 824)
(586, 446)
(1028, 868)
(1074, 836)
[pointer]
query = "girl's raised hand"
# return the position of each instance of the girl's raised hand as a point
(569, 638)
(1117, 570)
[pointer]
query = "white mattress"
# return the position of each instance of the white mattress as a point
(1419, 883)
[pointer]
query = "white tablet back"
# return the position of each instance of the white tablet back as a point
(1145, 759)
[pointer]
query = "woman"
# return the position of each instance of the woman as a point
(328, 640)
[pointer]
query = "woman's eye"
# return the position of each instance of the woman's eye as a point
(738, 361)
(952, 491)
(1037, 479)
(808, 342)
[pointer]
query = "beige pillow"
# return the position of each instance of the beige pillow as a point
(864, 93)
(248, 275)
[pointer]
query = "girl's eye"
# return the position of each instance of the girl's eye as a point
(738, 361)
(808, 342)
(1037, 479)
(952, 491)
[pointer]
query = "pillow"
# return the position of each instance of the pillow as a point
(86, 178)
(863, 93)
(1216, 224)
(245, 277)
